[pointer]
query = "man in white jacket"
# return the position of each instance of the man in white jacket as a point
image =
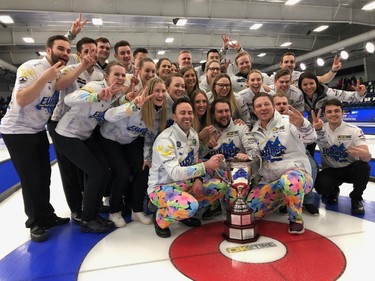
(345, 156)
(285, 175)
(178, 185)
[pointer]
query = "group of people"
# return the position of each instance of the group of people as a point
(130, 127)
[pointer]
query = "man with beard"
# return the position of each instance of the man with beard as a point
(229, 140)
(73, 77)
(178, 185)
(244, 65)
(23, 129)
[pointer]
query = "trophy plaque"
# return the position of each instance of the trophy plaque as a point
(240, 226)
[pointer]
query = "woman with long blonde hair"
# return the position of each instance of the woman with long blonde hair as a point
(127, 137)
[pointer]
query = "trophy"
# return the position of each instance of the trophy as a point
(240, 226)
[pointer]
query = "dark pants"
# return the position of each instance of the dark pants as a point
(357, 173)
(71, 176)
(125, 160)
(30, 157)
(88, 156)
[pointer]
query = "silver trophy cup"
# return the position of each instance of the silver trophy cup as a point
(240, 226)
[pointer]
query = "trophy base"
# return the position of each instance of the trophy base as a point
(241, 234)
(239, 241)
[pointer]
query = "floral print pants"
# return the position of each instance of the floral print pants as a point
(177, 201)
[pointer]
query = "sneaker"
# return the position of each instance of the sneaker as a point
(141, 217)
(357, 207)
(161, 232)
(191, 222)
(54, 221)
(296, 228)
(117, 219)
(76, 217)
(211, 213)
(94, 226)
(38, 234)
(311, 209)
(283, 210)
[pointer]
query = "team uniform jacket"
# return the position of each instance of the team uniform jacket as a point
(86, 111)
(282, 146)
(124, 124)
(174, 157)
(295, 97)
(233, 140)
(33, 117)
(333, 144)
(82, 80)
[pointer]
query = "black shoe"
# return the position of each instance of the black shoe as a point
(55, 221)
(191, 222)
(333, 198)
(357, 207)
(94, 226)
(105, 222)
(76, 217)
(311, 209)
(211, 213)
(283, 210)
(38, 234)
(161, 232)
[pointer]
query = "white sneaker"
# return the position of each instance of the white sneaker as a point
(106, 201)
(141, 217)
(117, 219)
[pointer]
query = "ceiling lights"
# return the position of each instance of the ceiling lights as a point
(320, 61)
(161, 52)
(369, 6)
(302, 66)
(320, 28)
(97, 21)
(256, 26)
(291, 2)
(6, 19)
(286, 44)
(344, 55)
(261, 55)
(370, 47)
(169, 40)
(28, 40)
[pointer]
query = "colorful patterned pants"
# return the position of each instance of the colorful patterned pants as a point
(177, 201)
(289, 189)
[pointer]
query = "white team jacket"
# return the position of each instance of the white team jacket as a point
(282, 146)
(174, 157)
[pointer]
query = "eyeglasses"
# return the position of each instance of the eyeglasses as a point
(222, 86)
(214, 68)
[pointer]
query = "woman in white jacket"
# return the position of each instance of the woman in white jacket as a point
(76, 142)
(127, 137)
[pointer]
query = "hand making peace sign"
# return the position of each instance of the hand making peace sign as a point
(360, 89)
(140, 100)
(107, 93)
(317, 122)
